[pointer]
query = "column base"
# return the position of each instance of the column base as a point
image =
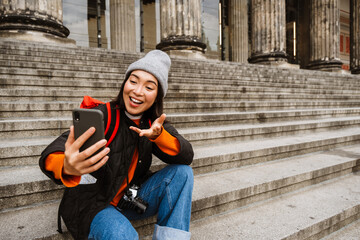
(355, 71)
(328, 66)
(35, 36)
(32, 21)
(273, 58)
(181, 43)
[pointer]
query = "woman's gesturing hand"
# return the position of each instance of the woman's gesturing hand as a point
(154, 131)
(77, 163)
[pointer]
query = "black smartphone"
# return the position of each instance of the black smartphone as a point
(83, 119)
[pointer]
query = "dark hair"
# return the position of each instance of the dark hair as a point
(152, 113)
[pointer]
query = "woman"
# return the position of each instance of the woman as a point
(96, 209)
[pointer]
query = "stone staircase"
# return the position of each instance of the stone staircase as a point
(277, 151)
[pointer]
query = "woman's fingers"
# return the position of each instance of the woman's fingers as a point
(96, 166)
(154, 131)
(161, 119)
(71, 139)
(83, 138)
(92, 149)
(138, 130)
(94, 159)
(78, 163)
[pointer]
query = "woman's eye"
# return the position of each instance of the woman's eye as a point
(133, 81)
(149, 88)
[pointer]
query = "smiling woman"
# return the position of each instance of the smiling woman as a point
(102, 209)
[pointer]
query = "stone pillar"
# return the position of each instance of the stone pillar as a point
(180, 23)
(239, 30)
(268, 31)
(325, 35)
(122, 25)
(40, 20)
(355, 36)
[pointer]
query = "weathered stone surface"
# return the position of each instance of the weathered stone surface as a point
(268, 34)
(122, 25)
(239, 30)
(181, 26)
(355, 38)
(325, 35)
(258, 132)
(33, 20)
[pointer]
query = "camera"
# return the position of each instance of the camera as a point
(130, 200)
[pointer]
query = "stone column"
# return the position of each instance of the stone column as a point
(40, 20)
(355, 36)
(239, 30)
(122, 25)
(325, 35)
(180, 23)
(268, 31)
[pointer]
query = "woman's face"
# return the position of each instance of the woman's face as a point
(140, 91)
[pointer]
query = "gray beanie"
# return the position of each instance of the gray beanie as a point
(155, 62)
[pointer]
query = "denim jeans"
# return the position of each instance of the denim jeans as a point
(168, 193)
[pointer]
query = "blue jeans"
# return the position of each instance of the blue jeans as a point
(168, 193)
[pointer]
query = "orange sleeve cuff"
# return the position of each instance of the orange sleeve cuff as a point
(55, 163)
(167, 143)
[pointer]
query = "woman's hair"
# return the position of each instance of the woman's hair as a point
(152, 113)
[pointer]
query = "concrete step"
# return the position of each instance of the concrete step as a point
(26, 48)
(215, 156)
(197, 125)
(43, 82)
(209, 133)
(244, 117)
(210, 157)
(21, 152)
(310, 213)
(220, 156)
(241, 132)
(41, 126)
(350, 232)
(20, 109)
(214, 193)
(49, 73)
(26, 185)
(20, 61)
(7, 95)
(105, 75)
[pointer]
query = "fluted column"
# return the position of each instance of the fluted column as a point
(325, 35)
(122, 25)
(28, 17)
(268, 31)
(355, 36)
(239, 30)
(180, 23)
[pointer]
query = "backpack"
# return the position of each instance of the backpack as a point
(89, 102)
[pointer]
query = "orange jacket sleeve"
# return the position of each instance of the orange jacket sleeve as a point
(167, 143)
(55, 163)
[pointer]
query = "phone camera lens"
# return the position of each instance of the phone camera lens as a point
(76, 116)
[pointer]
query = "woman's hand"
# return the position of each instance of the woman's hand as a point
(78, 163)
(154, 131)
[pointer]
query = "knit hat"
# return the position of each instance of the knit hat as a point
(155, 62)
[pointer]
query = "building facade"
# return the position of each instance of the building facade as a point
(310, 34)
